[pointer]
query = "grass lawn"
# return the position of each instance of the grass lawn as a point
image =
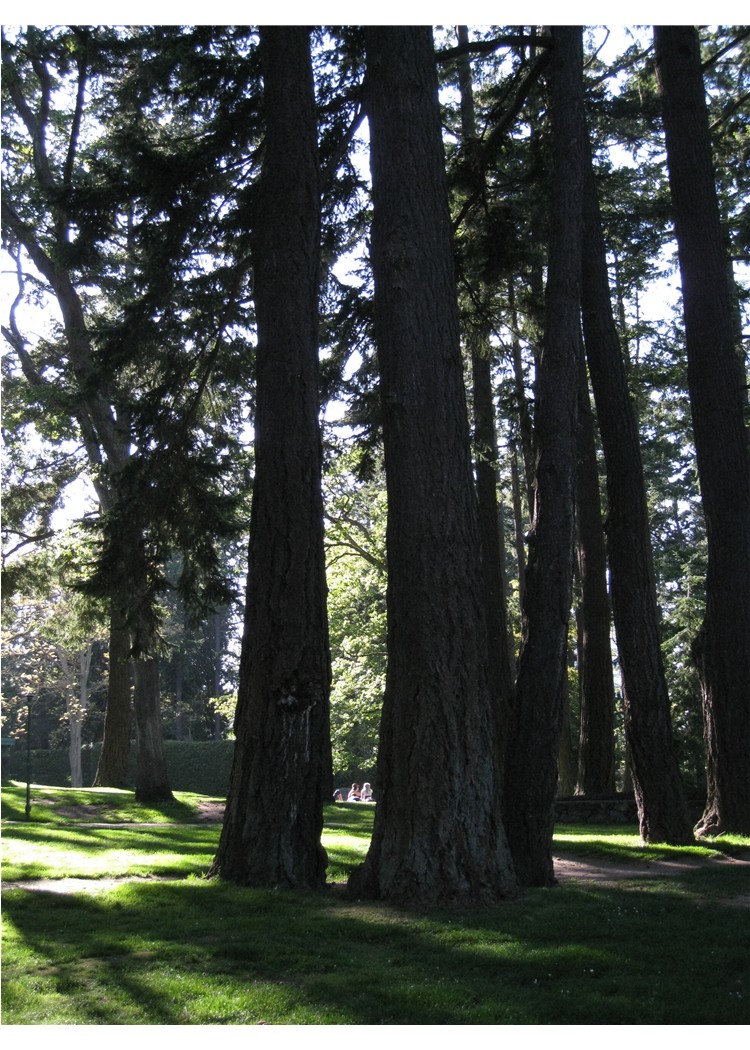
(184, 950)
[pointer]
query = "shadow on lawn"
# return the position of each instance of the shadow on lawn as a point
(213, 953)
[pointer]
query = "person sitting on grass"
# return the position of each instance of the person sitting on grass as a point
(353, 795)
(366, 795)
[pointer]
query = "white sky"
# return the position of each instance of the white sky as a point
(355, 12)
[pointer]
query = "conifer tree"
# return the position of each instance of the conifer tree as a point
(438, 836)
(717, 383)
(531, 768)
(281, 769)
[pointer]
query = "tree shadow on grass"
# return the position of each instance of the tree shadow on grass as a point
(213, 953)
(54, 851)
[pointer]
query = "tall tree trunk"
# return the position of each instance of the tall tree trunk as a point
(74, 752)
(151, 779)
(501, 671)
(75, 669)
(438, 836)
(596, 756)
(531, 771)
(716, 380)
(656, 779)
(518, 530)
(525, 424)
(500, 664)
(112, 770)
(566, 765)
(282, 763)
(217, 624)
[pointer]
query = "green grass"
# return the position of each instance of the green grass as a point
(191, 951)
(623, 843)
(58, 805)
(52, 846)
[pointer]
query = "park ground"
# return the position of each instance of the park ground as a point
(108, 919)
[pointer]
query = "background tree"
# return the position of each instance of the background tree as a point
(53, 641)
(499, 653)
(596, 756)
(658, 788)
(355, 508)
(127, 371)
(531, 773)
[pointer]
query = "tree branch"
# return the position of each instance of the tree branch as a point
(485, 47)
(103, 427)
(503, 126)
(75, 127)
(727, 47)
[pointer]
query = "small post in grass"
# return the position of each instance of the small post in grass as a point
(28, 759)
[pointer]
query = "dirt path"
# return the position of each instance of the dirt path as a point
(567, 869)
(570, 867)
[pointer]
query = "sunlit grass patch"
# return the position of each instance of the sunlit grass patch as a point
(97, 805)
(43, 851)
(346, 837)
(624, 843)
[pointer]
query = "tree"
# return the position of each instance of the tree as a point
(112, 768)
(717, 384)
(658, 788)
(438, 837)
(113, 208)
(531, 773)
(596, 759)
(355, 508)
(39, 215)
(281, 769)
(499, 652)
(53, 638)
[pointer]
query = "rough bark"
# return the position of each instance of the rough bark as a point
(112, 770)
(596, 755)
(656, 779)
(717, 382)
(282, 766)
(151, 779)
(531, 771)
(438, 836)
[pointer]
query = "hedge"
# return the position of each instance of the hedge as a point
(201, 766)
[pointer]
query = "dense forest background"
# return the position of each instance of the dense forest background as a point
(135, 215)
